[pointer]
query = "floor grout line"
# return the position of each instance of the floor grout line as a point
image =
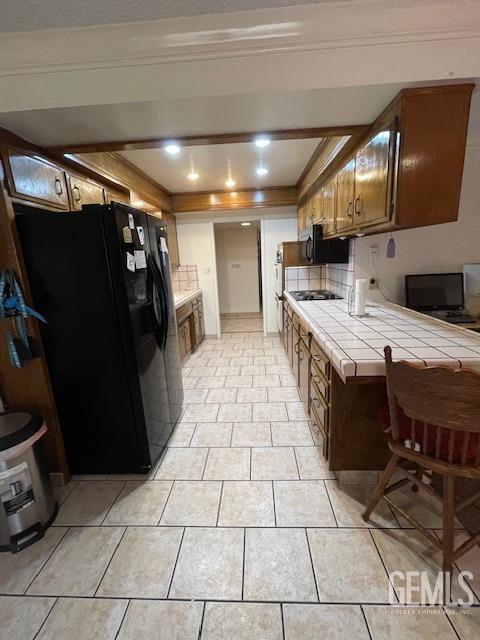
(110, 561)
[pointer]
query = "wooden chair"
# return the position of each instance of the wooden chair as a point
(435, 426)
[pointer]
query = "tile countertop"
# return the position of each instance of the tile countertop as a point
(186, 296)
(355, 345)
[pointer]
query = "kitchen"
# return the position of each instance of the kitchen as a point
(252, 510)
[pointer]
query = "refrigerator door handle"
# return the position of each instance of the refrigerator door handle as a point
(151, 287)
(160, 284)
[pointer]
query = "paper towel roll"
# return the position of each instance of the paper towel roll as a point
(360, 295)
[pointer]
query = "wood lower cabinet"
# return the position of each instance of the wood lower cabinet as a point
(191, 326)
(36, 180)
(343, 415)
(85, 192)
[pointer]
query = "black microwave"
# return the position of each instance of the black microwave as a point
(316, 250)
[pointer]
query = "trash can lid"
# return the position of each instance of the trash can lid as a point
(17, 426)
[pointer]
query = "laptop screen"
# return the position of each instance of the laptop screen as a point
(434, 291)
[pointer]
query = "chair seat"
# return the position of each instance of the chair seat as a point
(405, 430)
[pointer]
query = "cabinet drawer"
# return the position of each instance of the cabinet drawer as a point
(319, 416)
(304, 333)
(85, 192)
(320, 358)
(37, 180)
(184, 311)
(319, 383)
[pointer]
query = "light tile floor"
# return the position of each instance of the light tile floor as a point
(240, 532)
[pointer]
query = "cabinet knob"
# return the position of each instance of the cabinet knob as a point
(58, 187)
(349, 209)
(78, 195)
(358, 208)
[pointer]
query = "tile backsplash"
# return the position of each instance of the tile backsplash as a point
(184, 278)
(337, 278)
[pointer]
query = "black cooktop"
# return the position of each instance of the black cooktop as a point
(319, 294)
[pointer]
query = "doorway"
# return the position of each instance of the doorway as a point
(239, 275)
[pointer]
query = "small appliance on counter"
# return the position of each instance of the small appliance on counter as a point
(318, 294)
(316, 250)
(440, 295)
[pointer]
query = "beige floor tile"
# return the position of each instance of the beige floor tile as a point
(283, 394)
(242, 621)
(302, 503)
(318, 621)
(182, 434)
(182, 464)
(277, 566)
(211, 382)
(238, 381)
(274, 463)
(253, 370)
(466, 622)
(202, 371)
(193, 504)
(347, 566)
(162, 620)
(277, 369)
(386, 623)
(252, 394)
(84, 619)
(266, 381)
(221, 396)
(190, 382)
(228, 370)
(408, 550)
(209, 565)
(247, 504)
(238, 412)
(194, 396)
(311, 464)
(251, 434)
(269, 411)
(422, 506)
(470, 561)
(241, 361)
(264, 360)
(143, 564)
(62, 493)
(350, 501)
(78, 563)
(200, 413)
(290, 434)
(287, 380)
(17, 570)
(228, 464)
(212, 434)
(139, 503)
(89, 502)
(296, 411)
(21, 618)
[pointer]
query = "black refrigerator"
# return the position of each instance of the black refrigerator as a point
(101, 278)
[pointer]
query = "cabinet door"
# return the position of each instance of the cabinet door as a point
(116, 196)
(317, 208)
(195, 328)
(371, 180)
(345, 196)
(329, 192)
(303, 373)
(301, 217)
(201, 320)
(38, 181)
(85, 192)
(184, 339)
(169, 219)
(295, 352)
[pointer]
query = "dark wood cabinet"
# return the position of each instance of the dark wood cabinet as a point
(36, 180)
(329, 193)
(303, 372)
(345, 197)
(169, 220)
(184, 339)
(191, 326)
(85, 192)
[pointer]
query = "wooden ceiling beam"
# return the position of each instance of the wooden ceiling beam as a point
(230, 200)
(209, 139)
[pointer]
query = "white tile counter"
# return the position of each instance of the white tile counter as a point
(186, 296)
(355, 345)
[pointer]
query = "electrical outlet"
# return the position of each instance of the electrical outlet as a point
(373, 253)
(372, 284)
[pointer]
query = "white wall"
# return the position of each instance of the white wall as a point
(273, 233)
(196, 244)
(433, 249)
(237, 269)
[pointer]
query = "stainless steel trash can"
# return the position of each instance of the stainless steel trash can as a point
(27, 504)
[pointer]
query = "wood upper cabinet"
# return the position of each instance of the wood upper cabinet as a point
(169, 220)
(317, 207)
(345, 196)
(37, 180)
(372, 202)
(85, 192)
(301, 217)
(116, 196)
(329, 202)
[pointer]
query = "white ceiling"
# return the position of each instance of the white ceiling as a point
(285, 160)
(32, 15)
(218, 114)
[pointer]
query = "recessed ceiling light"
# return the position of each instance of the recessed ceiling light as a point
(245, 224)
(173, 148)
(193, 175)
(261, 171)
(262, 141)
(230, 183)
